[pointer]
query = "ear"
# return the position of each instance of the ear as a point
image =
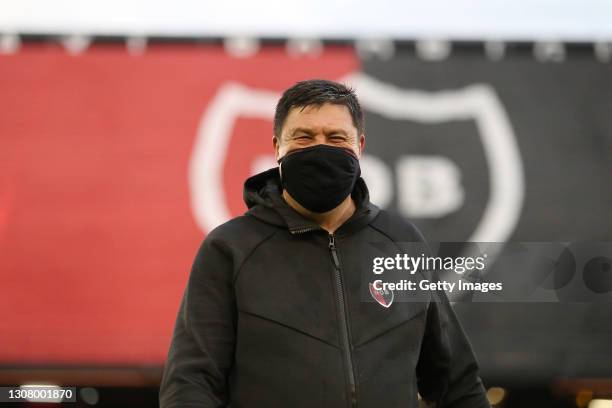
(275, 145)
(361, 144)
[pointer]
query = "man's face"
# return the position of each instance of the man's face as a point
(329, 124)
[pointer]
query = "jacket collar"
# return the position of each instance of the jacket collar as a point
(263, 196)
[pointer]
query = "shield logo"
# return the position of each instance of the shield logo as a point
(384, 297)
(477, 103)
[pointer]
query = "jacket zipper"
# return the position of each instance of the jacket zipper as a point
(344, 323)
(303, 230)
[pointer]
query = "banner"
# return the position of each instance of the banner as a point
(115, 166)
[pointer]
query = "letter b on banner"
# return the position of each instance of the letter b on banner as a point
(428, 186)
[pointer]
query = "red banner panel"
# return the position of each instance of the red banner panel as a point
(112, 168)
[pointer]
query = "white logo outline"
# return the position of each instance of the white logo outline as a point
(478, 102)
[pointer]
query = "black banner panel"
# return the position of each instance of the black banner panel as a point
(496, 151)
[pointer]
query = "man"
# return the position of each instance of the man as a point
(272, 314)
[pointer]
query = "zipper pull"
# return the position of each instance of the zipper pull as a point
(332, 248)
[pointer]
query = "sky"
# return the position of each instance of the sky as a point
(546, 20)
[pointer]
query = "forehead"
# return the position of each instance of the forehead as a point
(328, 115)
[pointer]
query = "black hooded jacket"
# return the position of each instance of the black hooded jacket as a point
(272, 316)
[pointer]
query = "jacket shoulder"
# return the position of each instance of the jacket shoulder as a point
(237, 226)
(397, 227)
(238, 236)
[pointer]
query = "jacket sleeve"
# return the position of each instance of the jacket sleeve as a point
(447, 371)
(202, 347)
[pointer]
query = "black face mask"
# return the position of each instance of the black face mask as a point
(320, 177)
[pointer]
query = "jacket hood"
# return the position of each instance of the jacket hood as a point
(263, 196)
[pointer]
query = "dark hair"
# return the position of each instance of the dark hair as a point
(317, 92)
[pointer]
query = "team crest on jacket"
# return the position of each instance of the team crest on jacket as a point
(384, 297)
